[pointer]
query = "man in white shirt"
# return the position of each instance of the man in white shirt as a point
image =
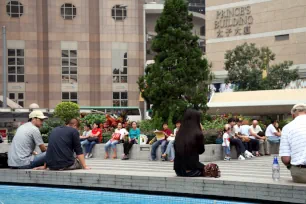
(293, 144)
(257, 133)
(273, 136)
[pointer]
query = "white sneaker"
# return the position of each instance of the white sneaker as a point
(86, 157)
(241, 157)
(248, 154)
(90, 155)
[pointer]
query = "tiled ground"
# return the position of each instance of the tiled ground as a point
(243, 179)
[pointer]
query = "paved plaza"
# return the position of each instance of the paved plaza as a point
(240, 179)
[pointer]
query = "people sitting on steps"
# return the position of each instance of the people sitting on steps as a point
(273, 133)
(166, 132)
(117, 136)
(94, 138)
(85, 135)
(22, 153)
(170, 153)
(293, 143)
(252, 145)
(130, 140)
(242, 153)
(64, 144)
(257, 133)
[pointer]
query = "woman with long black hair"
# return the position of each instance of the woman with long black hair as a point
(189, 144)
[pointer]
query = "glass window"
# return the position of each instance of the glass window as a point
(14, 9)
(70, 97)
(121, 75)
(119, 12)
(120, 99)
(15, 65)
(68, 11)
(69, 66)
(17, 97)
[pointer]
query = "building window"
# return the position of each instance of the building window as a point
(69, 66)
(119, 12)
(68, 11)
(15, 65)
(14, 9)
(120, 99)
(202, 31)
(70, 97)
(281, 37)
(17, 98)
(120, 74)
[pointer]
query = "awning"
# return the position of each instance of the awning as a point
(256, 102)
(10, 103)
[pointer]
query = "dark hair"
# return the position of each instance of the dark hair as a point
(74, 121)
(87, 125)
(190, 134)
(97, 123)
(178, 122)
(230, 120)
(165, 123)
(274, 121)
(133, 122)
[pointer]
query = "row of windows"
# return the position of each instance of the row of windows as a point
(68, 11)
(119, 98)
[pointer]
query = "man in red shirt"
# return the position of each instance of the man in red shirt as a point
(161, 141)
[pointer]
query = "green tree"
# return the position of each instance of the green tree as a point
(66, 111)
(179, 77)
(249, 67)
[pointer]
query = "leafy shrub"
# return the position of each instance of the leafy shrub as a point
(146, 126)
(49, 124)
(92, 118)
(66, 111)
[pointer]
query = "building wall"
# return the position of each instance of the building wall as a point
(43, 34)
(267, 21)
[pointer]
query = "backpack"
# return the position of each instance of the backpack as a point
(212, 170)
(3, 160)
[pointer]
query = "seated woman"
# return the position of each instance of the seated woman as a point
(189, 144)
(94, 138)
(118, 135)
(85, 135)
(134, 134)
(170, 153)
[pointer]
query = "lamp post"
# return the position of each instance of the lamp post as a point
(4, 67)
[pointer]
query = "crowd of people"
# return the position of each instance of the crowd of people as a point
(182, 146)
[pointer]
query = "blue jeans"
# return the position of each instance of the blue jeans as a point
(39, 160)
(155, 145)
(84, 143)
(89, 146)
(274, 139)
(227, 150)
(111, 144)
(170, 150)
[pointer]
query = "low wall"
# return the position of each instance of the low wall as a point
(213, 152)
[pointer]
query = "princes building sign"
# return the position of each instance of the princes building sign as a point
(234, 22)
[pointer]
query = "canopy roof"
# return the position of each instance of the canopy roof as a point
(256, 102)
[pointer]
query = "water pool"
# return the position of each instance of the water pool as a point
(31, 195)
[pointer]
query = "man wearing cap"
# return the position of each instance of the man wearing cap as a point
(293, 143)
(27, 137)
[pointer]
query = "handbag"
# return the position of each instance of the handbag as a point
(116, 136)
(93, 139)
(212, 170)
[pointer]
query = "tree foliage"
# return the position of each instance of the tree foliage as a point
(179, 77)
(66, 111)
(247, 65)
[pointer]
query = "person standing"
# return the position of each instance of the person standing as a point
(64, 142)
(257, 133)
(242, 153)
(133, 138)
(226, 142)
(21, 153)
(293, 143)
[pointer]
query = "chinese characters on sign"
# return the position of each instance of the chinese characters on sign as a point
(234, 22)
